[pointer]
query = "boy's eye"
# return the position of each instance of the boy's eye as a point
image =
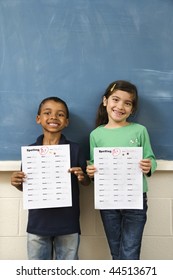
(61, 115)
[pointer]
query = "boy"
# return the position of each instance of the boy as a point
(55, 231)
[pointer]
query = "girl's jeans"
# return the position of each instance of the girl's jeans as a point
(124, 230)
(62, 247)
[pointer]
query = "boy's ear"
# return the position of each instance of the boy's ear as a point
(104, 101)
(38, 119)
(67, 122)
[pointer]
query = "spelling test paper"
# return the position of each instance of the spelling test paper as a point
(48, 182)
(118, 181)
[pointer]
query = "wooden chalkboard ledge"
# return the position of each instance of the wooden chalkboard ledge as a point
(162, 165)
(11, 165)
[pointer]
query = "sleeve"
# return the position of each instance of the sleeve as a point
(147, 150)
(92, 146)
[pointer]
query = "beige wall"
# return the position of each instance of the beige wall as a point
(158, 235)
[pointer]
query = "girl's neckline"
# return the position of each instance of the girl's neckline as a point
(111, 128)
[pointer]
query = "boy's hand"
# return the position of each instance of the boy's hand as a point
(91, 170)
(145, 165)
(78, 172)
(81, 176)
(17, 178)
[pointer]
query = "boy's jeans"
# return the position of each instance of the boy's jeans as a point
(124, 230)
(62, 247)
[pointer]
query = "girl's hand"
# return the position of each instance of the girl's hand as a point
(145, 165)
(17, 178)
(91, 170)
(81, 176)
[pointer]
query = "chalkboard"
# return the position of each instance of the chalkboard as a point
(73, 49)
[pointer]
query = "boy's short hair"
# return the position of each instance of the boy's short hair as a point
(56, 99)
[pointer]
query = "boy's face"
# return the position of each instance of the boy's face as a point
(53, 117)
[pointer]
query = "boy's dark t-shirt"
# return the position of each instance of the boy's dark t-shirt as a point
(63, 220)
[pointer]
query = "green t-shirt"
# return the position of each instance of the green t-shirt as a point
(132, 135)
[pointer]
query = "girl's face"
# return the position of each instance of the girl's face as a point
(53, 117)
(119, 106)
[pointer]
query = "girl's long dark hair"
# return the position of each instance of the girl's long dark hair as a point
(102, 116)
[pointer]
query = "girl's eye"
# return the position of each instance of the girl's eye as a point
(115, 99)
(128, 104)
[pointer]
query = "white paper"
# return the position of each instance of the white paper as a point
(118, 181)
(48, 182)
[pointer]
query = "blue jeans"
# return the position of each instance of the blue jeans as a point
(124, 230)
(62, 247)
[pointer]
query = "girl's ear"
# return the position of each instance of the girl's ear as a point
(132, 111)
(104, 101)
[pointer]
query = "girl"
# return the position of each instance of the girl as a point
(123, 228)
